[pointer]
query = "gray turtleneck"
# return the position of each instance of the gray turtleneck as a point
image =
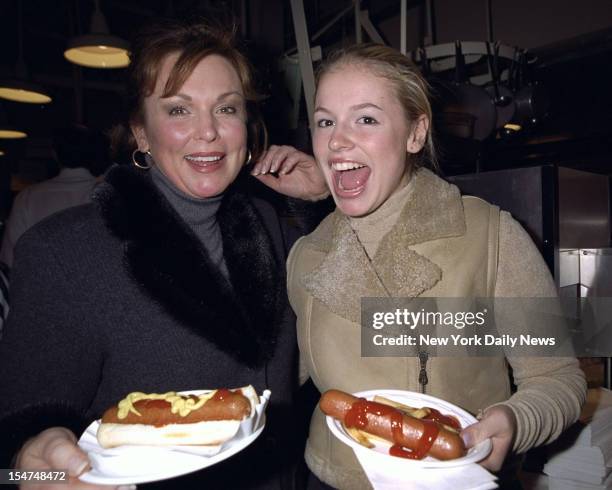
(199, 214)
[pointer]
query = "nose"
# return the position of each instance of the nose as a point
(207, 128)
(340, 139)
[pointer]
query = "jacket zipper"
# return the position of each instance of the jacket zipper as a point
(423, 380)
(423, 355)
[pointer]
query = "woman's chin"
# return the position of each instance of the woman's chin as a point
(353, 207)
(209, 186)
(207, 191)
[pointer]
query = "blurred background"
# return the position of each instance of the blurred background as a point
(553, 63)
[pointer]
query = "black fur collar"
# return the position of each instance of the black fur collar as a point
(166, 258)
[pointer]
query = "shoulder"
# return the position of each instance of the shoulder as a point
(61, 232)
(521, 267)
(320, 239)
(309, 250)
(63, 247)
(73, 219)
(515, 242)
(476, 208)
(22, 198)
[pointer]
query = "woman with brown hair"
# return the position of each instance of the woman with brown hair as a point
(171, 280)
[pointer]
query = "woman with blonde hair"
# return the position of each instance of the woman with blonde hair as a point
(399, 230)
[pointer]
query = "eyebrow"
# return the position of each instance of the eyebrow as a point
(358, 107)
(180, 96)
(188, 98)
(229, 94)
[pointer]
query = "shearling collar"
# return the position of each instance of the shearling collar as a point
(164, 256)
(433, 210)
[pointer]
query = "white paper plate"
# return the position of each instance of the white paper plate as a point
(381, 450)
(126, 465)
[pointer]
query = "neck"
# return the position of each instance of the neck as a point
(371, 229)
(199, 214)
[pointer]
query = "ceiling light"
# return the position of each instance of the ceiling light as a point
(513, 127)
(98, 49)
(21, 89)
(1, 153)
(9, 133)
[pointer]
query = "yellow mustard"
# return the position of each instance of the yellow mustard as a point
(179, 404)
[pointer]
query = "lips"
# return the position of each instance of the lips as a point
(349, 177)
(205, 161)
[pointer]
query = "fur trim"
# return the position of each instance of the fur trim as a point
(166, 258)
(346, 274)
(17, 427)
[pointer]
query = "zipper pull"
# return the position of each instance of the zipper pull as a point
(423, 380)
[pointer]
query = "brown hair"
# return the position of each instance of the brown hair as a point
(411, 89)
(193, 42)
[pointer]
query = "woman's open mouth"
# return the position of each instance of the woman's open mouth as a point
(349, 178)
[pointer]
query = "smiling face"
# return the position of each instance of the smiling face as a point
(197, 137)
(362, 138)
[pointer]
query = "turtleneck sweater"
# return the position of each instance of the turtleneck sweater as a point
(199, 214)
(371, 228)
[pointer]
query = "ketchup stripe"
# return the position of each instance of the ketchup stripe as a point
(357, 417)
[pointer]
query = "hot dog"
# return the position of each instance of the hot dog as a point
(411, 437)
(173, 419)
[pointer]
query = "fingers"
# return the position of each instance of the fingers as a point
(291, 172)
(281, 159)
(269, 159)
(56, 449)
(59, 450)
(53, 449)
(498, 424)
(289, 162)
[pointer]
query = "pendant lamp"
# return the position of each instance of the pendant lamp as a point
(98, 49)
(21, 89)
(9, 133)
(7, 130)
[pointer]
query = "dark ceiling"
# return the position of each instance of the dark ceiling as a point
(577, 75)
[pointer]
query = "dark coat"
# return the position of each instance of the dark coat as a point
(120, 296)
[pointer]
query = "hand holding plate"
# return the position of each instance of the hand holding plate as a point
(498, 424)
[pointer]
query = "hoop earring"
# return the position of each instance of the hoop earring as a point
(137, 163)
(248, 160)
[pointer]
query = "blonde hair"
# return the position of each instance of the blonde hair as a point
(411, 89)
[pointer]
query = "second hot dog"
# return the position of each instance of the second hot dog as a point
(420, 437)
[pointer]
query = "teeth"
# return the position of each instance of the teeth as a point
(202, 159)
(339, 167)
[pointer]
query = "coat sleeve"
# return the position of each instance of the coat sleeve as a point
(50, 359)
(550, 390)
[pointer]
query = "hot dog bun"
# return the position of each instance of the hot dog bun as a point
(210, 418)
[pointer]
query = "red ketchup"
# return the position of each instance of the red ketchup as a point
(357, 417)
(443, 419)
(221, 394)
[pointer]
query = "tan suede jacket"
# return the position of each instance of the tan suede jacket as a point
(442, 245)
